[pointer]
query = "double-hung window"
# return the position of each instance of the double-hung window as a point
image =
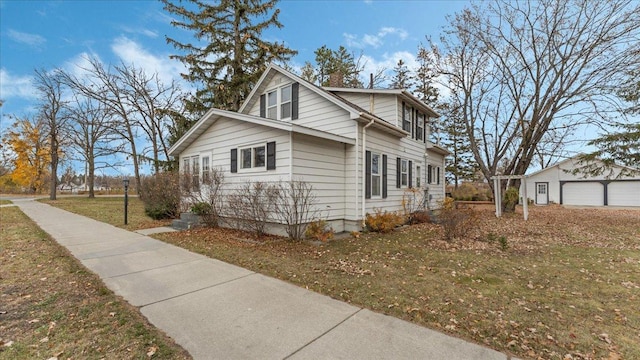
(420, 126)
(252, 157)
(272, 105)
(406, 117)
(206, 168)
(404, 172)
(376, 178)
(195, 171)
(285, 102)
(280, 103)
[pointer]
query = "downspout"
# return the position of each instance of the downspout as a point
(364, 168)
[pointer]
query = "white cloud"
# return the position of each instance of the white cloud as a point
(374, 40)
(16, 86)
(130, 52)
(142, 31)
(33, 40)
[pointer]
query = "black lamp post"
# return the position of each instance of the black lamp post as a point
(125, 182)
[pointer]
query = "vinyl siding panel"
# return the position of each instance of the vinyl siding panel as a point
(225, 134)
(322, 164)
(314, 111)
(384, 106)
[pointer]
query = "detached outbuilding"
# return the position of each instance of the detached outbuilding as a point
(558, 185)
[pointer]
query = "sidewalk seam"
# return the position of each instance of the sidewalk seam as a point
(323, 334)
(159, 267)
(194, 291)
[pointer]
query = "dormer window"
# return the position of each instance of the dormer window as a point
(280, 103)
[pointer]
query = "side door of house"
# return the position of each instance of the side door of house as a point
(542, 193)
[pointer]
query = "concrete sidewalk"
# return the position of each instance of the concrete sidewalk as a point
(217, 310)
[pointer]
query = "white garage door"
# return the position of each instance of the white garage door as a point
(587, 194)
(624, 193)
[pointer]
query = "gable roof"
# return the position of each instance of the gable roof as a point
(211, 116)
(573, 158)
(214, 114)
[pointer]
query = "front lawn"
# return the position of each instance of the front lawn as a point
(52, 307)
(565, 284)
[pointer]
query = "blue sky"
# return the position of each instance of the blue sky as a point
(51, 34)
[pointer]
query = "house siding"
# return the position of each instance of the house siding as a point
(314, 111)
(384, 105)
(225, 134)
(321, 163)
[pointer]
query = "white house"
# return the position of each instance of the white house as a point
(557, 184)
(360, 149)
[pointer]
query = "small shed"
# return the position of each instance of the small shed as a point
(558, 185)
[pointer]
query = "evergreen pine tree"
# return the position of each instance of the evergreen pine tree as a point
(402, 78)
(229, 53)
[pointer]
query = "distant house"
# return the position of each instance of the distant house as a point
(360, 149)
(556, 184)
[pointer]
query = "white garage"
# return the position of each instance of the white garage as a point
(558, 184)
(582, 193)
(624, 193)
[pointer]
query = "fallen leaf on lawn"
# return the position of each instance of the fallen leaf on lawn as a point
(605, 337)
(112, 314)
(7, 343)
(151, 351)
(33, 321)
(44, 339)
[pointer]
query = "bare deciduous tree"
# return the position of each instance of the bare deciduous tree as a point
(52, 108)
(522, 69)
(91, 133)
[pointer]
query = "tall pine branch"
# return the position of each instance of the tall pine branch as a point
(228, 53)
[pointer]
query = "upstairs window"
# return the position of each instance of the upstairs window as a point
(420, 127)
(285, 102)
(406, 117)
(272, 105)
(280, 103)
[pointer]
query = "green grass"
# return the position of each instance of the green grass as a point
(52, 306)
(5, 202)
(568, 283)
(109, 210)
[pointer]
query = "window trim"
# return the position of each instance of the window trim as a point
(420, 121)
(278, 90)
(252, 148)
(404, 173)
(378, 174)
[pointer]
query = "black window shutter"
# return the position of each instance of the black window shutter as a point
(234, 160)
(294, 100)
(410, 173)
(414, 123)
(367, 175)
(263, 105)
(271, 155)
(438, 174)
(424, 129)
(429, 174)
(384, 176)
(398, 164)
